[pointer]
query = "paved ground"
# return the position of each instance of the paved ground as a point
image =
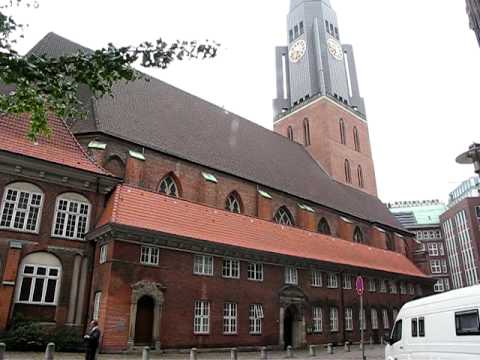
(371, 352)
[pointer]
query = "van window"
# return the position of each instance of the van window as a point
(414, 328)
(421, 327)
(397, 332)
(467, 323)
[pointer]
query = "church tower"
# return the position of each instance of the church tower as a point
(318, 100)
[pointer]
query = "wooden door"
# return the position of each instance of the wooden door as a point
(144, 321)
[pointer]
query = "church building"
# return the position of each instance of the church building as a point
(178, 224)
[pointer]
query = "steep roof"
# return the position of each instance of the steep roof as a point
(159, 116)
(60, 148)
(137, 208)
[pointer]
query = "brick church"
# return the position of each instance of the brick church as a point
(178, 224)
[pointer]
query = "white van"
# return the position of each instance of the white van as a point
(439, 327)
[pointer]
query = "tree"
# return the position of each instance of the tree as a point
(45, 85)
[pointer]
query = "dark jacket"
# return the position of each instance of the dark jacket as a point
(92, 338)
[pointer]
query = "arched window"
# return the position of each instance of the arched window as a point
(234, 203)
(358, 236)
(348, 172)
(115, 165)
(39, 279)
(284, 217)
(21, 207)
(360, 177)
(356, 139)
(343, 139)
(306, 132)
(390, 242)
(323, 227)
(290, 133)
(169, 186)
(72, 216)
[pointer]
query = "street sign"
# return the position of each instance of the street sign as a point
(359, 286)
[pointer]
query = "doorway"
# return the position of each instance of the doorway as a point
(289, 326)
(144, 321)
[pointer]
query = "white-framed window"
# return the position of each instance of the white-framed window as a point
(149, 255)
(363, 319)
(383, 286)
(441, 249)
(96, 305)
(439, 287)
(230, 318)
(283, 217)
(203, 265)
(317, 278)
(103, 254)
(72, 216)
(372, 285)
(393, 287)
(21, 208)
(386, 320)
(255, 271)
(231, 269)
(348, 319)
(411, 289)
(433, 249)
(332, 281)
(291, 275)
(403, 288)
(255, 319)
(419, 235)
(446, 282)
(201, 319)
(435, 267)
(317, 317)
(168, 186)
(347, 281)
(444, 266)
(233, 203)
(333, 319)
(39, 280)
(374, 319)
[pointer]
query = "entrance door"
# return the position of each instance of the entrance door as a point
(288, 326)
(144, 321)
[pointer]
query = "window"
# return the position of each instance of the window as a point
(358, 236)
(433, 249)
(348, 172)
(21, 207)
(372, 285)
(343, 138)
(337, 34)
(201, 320)
(255, 319)
(415, 327)
(39, 280)
(231, 269)
(283, 217)
(390, 242)
(383, 286)
(441, 249)
(203, 265)
(168, 186)
(374, 319)
(393, 287)
(302, 30)
(348, 319)
(361, 184)
(435, 266)
(306, 132)
(444, 266)
(386, 320)
(356, 139)
(403, 288)
(477, 211)
(411, 289)
(438, 287)
(421, 327)
(290, 35)
(296, 30)
(255, 271)
(363, 319)
(72, 216)
(96, 305)
(397, 332)
(332, 281)
(331, 29)
(149, 255)
(230, 318)
(317, 278)
(323, 227)
(291, 276)
(347, 281)
(103, 254)
(317, 318)
(233, 203)
(333, 319)
(327, 27)
(467, 323)
(447, 284)
(290, 133)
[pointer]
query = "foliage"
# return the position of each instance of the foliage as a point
(44, 84)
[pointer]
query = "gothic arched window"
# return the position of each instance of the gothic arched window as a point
(348, 172)
(284, 217)
(360, 177)
(306, 132)
(323, 227)
(356, 139)
(169, 186)
(358, 236)
(290, 133)
(234, 203)
(343, 139)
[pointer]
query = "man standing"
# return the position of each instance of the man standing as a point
(92, 339)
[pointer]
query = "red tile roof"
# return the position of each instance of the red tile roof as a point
(152, 211)
(60, 148)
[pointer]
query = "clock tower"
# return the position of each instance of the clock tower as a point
(318, 98)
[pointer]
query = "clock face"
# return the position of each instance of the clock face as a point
(297, 51)
(335, 49)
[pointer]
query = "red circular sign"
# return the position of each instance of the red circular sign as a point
(359, 286)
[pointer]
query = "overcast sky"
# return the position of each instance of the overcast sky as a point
(418, 65)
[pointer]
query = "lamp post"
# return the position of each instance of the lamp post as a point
(472, 156)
